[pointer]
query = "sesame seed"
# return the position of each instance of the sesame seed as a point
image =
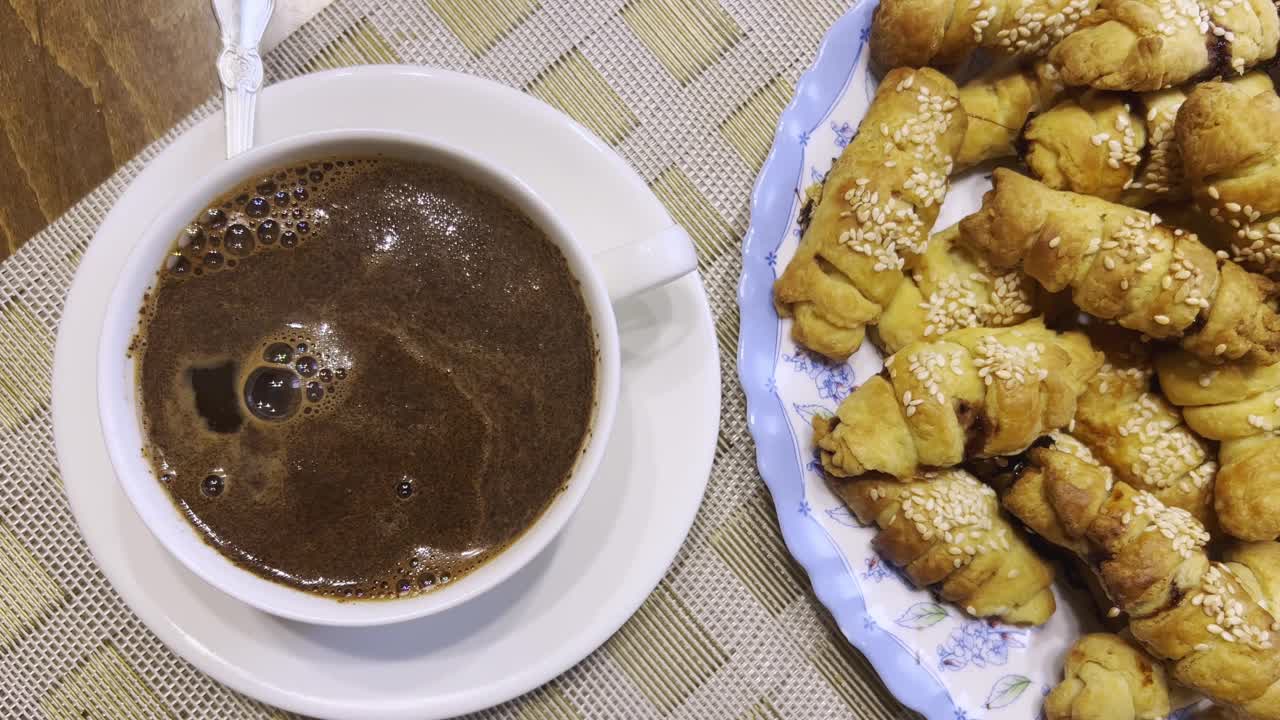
(1012, 365)
(1260, 423)
(1186, 534)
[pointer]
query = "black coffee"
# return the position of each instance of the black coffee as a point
(364, 377)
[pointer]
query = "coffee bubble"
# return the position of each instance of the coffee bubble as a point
(268, 231)
(278, 353)
(212, 485)
(272, 393)
(257, 207)
(214, 218)
(239, 241)
(191, 238)
(306, 365)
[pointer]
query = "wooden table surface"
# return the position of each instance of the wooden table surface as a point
(85, 85)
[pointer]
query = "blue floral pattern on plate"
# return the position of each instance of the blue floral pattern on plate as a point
(979, 643)
(934, 657)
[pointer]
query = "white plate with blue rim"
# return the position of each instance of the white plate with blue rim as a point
(575, 593)
(932, 656)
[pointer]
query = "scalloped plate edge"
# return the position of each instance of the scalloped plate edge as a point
(772, 205)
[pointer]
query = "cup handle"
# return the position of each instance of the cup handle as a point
(644, 264)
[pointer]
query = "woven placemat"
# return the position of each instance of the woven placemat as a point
(688, 91)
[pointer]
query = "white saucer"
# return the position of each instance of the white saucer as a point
(576, 593)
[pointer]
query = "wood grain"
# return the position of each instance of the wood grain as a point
(85, 85)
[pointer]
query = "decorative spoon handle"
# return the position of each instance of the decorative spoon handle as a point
(240, 66)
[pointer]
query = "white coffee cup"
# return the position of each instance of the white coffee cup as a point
(605, 278)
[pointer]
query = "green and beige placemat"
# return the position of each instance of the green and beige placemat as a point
(687, 91)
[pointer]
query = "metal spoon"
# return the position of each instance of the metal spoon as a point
(240, 66)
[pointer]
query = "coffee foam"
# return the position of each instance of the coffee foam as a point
(279, 214)
(434, 566)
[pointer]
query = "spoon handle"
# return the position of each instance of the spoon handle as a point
(240, 66)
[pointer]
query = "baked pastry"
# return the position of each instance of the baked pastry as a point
(998, 102)
(974, 393)
(1146, 45)
(877, 207)
(950, 288)
(1257, 564)
(1140, 436)
(1210, 623)
(1122, 264)
(944, 32)
(1237, 404)
(1065, 441)
(945, 530)
(1230, 138)
(1108, 677)
(1116, 147)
